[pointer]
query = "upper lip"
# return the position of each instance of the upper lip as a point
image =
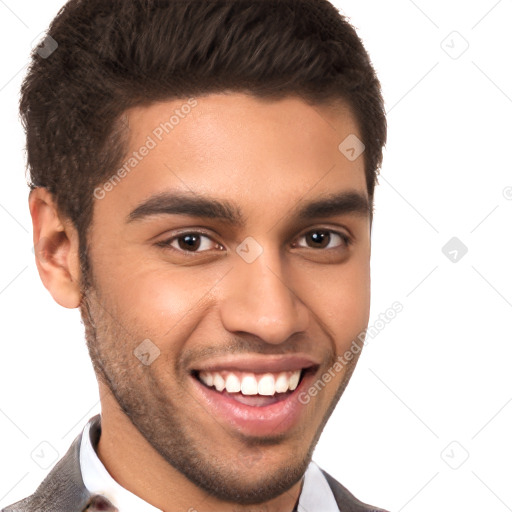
(260, 364)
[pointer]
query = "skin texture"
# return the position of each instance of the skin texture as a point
(267, 158)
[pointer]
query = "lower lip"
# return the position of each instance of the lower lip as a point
(265, 420)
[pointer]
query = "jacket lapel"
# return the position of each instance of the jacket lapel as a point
(346, 501)
(63, 489)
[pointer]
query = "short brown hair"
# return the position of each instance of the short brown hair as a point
(117, 54)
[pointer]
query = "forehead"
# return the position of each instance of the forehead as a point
(236, 146)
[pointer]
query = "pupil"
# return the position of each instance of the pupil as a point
(319, 237)
(190, 242)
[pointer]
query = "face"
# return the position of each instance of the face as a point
(230, 271)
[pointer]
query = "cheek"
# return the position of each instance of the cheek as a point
(160, 301)
(341, 299)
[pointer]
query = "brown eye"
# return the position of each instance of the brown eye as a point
(324, 239)
(190, 242)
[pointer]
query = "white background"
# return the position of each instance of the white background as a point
(434, 386)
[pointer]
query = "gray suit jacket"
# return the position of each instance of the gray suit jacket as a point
(63, 489)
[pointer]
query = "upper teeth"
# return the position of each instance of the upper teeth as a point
(251, 383)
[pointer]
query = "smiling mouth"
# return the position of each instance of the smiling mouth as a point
(250, 388)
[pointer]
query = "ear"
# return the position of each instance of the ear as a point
(56, 249)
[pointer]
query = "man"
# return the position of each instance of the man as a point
(202, 178)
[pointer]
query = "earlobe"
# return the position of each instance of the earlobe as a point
(56, 249)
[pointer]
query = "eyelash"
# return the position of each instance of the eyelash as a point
(166, 244)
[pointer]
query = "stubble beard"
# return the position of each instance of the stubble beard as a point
(140, 396)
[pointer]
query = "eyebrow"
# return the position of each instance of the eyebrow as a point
(193, 205)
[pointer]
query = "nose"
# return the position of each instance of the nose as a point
(259, 301)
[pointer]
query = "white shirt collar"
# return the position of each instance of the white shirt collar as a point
(97, 479)
(316, 493)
